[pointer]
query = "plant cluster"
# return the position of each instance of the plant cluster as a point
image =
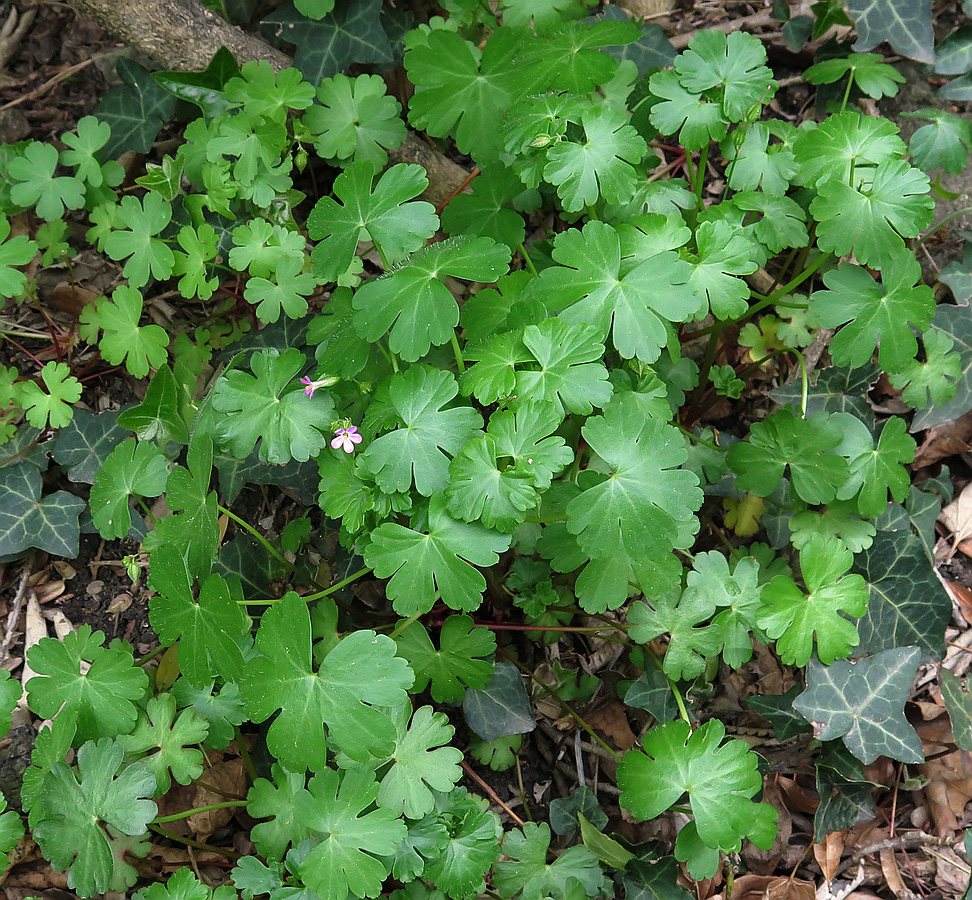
(491, 421)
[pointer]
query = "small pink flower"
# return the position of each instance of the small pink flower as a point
(310, 385)
(346, 438)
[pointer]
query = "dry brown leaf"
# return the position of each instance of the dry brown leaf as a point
(228, 776)
(610, 719)
(771, 887)
(949, 777)
(957, 519)
(764, 862)
(949, 439)
(892, 874)
(828, 853)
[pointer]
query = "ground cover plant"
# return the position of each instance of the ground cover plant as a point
(527, 418)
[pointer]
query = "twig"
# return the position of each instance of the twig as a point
(57, 79)
(14, 615)
(492, 794)
(909, 840)
(746, 23)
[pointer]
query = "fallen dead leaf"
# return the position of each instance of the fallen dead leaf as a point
(828, 853)
(228, 776)
(957, 518)
(950, 439)
(952, 872)
(610, 719)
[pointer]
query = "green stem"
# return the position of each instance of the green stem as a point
(405, 623)
(527, 260)
(150, 656)
(229, 804)
(460, 362)
(679, 702)
(251, 771)
(694, 437)
(334, 588)
(259, 537)
(847, 90)
(189, 842)
(546, 520)
(942, 224)
(381, 253)
(148, 513)
(700, 176)
(805, 379)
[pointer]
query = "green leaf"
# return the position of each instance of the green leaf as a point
(285, 293)
(461, 662)
(653, 879)
(720, 781)
(159, 416)
(261, 91)
(422, 564)
(124, 340)
(89, 137)
(945, 143)
(870, 73)
(863, 703)
(52, 407)
(464, 91)
(33, 182)
(688, 646)
(778, 709)
(199, 246)
(261, 246)
(784, 441)
(270, 406)
(845, 795)
(564, 811)
(878, 314)
(161, 731)
(793, 618)
(360, 674)
(591, 285)
(732, 66)
(84, 444)
(908, 605)
(420, 762)
(873, 471)
(870, 220)
(722, 256)
(412, 303)
(97, 698)
(697, 120)
(357, 118)
(222, 710)
(136, 241)
(956, 323)
(493, 377)
(183, 885)
(646, 507)
(135, 111)
(486, 211)
(350, 33)
(602, 166)
(933, 380)
(276, 799)
(420, 448)
(905, 24)
(843, 145)
(381, 212)
(502, 707)
(755, 164)
(574, 875)
(203, 88)
(132, 468)
(472, 849)
(334, 806)
(18, 251)
(210, 630)
(72, 812)
(833, 390)
(26, 520)
(607, 850)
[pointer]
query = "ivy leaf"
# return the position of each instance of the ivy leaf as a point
(461, 662)
(419, 450)
(783, 441)
(462, 90)
(905, 24)
(574, 875)
(420, 762)
(124, 340)
(502, 708)
(334, 807)
(360, 674)
(877, 314)
(52, 407)
(381, 212)
(270, 406)
(70, 816)
(689, 646)
(873, 471)
(872, 219)
(793, 618)
(958, 702)
(35, 184)
(136, 110)
(350, 33)
(132, 468)
(412, 303)
(571, 375)
(161, 731)
(593, 287)
(97, 699)
(357, 118)
(697, 120)
(863, 703)
(870, 73)
(720, 781)
(646, 507)
(134, 238)
(420, 564)
(833, 390)
(26, 520)
(210, 630)
(945, 143)
(722, 256)
(734, 65)
(602, 166)
(908, 605)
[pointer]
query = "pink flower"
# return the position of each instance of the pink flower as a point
(310, 386)
(346, 438)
